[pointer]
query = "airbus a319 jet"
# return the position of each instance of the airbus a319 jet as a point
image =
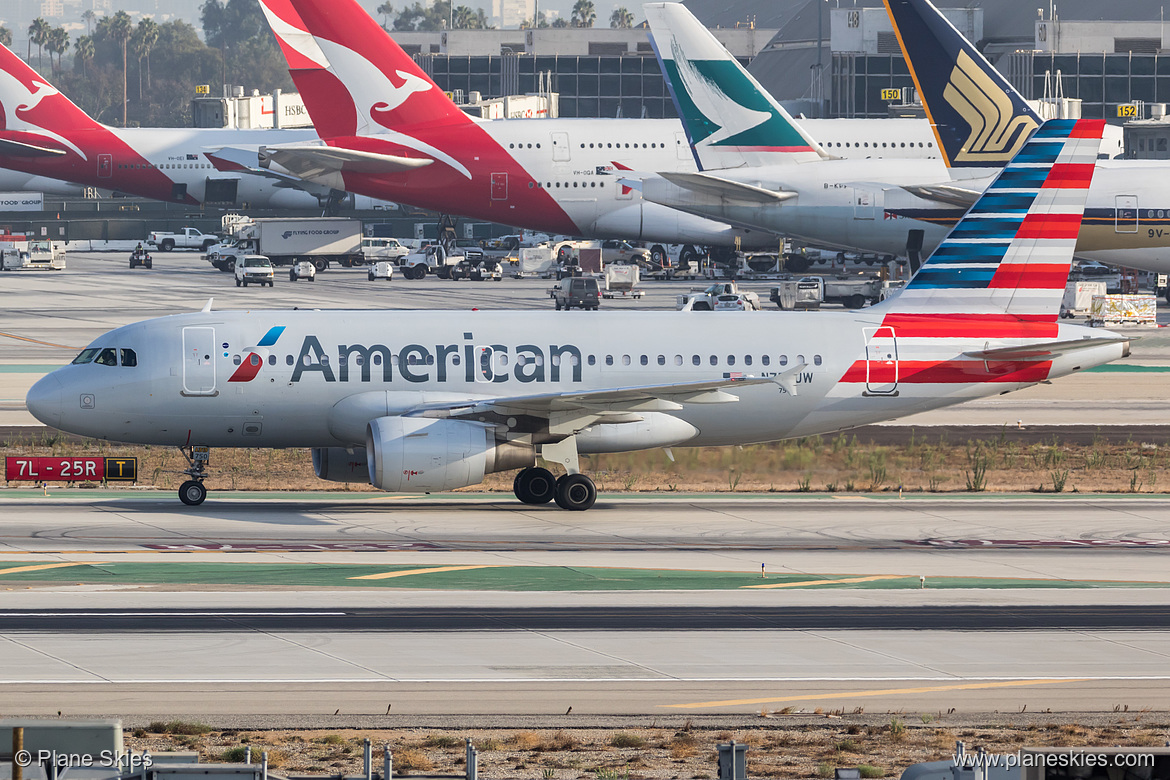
(488, 391)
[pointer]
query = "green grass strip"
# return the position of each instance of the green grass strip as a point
(502, 578)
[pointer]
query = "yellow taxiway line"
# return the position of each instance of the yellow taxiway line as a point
(847, 581)
(885, 692)
(42, 566)
(408, 572)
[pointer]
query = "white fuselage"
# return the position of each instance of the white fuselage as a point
(302, 393)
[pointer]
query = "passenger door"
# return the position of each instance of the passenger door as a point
(560, 146)
(881, 361)
(499, 186)
(1125, 214)
(199, 361)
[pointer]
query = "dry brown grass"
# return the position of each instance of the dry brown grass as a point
(839, 463)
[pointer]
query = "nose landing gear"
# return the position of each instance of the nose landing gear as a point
(192, 492)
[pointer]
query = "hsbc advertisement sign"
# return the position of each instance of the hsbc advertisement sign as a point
(22, 201)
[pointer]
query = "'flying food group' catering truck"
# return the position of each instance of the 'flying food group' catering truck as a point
(286, 241)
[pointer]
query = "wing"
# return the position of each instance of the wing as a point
(726, 189)
(311, 162)
(231, 159)
(945, 193)
(19, 149)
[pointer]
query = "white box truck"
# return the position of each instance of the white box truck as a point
(321, 241)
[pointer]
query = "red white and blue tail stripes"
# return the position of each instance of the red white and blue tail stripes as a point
(1010, 254)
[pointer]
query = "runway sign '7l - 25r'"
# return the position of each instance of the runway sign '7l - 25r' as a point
(58, 469)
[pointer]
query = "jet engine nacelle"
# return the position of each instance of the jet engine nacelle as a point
(337, 464)
(421, 455)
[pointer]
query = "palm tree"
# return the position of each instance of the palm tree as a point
(584, 15)
(464, 18)
(38, 33)
(5, 36)
(84, 51)
(120, 29)
(148, 34)
(58, 43)
(385, 10)
(621, 19)
(89, 17)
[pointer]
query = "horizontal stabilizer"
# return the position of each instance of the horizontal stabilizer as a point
(310, 162)
(724, 188)
(944, 193)
(18, 149)
(1045, 351)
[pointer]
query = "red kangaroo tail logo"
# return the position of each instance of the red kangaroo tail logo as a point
(33, 112)
(388, 90)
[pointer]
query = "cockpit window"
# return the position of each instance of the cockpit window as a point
(86, 356)
(129, 357)
(107, 357)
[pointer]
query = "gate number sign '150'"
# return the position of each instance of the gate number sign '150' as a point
(59, 469)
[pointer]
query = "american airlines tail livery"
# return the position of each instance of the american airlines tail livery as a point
(44, 134)
(433, 400)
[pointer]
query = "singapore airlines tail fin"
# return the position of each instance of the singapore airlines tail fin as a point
(1008, 258)
(730, 120)
(38, 121)
(979, 119)
(356, 80)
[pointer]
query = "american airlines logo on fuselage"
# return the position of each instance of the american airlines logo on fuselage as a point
(996, 132)
(416, 363)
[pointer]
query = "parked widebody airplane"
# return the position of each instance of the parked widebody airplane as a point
(43, 134)
(389, 132)
(980, 118)
(430, 401)
(873, 205)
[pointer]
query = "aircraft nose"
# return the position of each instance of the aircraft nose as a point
(44, 400)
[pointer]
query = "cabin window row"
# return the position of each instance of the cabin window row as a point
(866, 144)
(502, 358)
(557, 185)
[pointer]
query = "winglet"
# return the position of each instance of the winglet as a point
(787, 379)
(207, 306)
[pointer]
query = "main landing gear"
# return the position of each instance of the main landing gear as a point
(536, 485)
(573, 491)
(192, 492)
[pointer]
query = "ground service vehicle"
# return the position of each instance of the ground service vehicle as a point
(737, 302)
(375, 249)
(577, 292)
(432, 258)
(254, 269)
(19, 253)
(187, 238)
(474, 393)
(852, 292)
(302, 269)
(622, 279)
(704, 299)
(284, 241)
(140, 257)
(383, 269)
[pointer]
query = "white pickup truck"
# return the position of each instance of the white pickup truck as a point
(187, 238)
(704, 300)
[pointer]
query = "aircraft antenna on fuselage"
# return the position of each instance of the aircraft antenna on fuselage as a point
(207, 306)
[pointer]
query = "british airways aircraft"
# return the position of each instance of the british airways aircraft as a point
(45, 135)
(484, 391)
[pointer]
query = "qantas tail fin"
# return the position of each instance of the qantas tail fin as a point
(979, 119)
(730, 119)
(355, 79)
(1010, 254)
(35, 119)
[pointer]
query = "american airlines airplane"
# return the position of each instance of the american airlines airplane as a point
(389, 132)
(893, 207)
(44, 135)
(421, 401)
